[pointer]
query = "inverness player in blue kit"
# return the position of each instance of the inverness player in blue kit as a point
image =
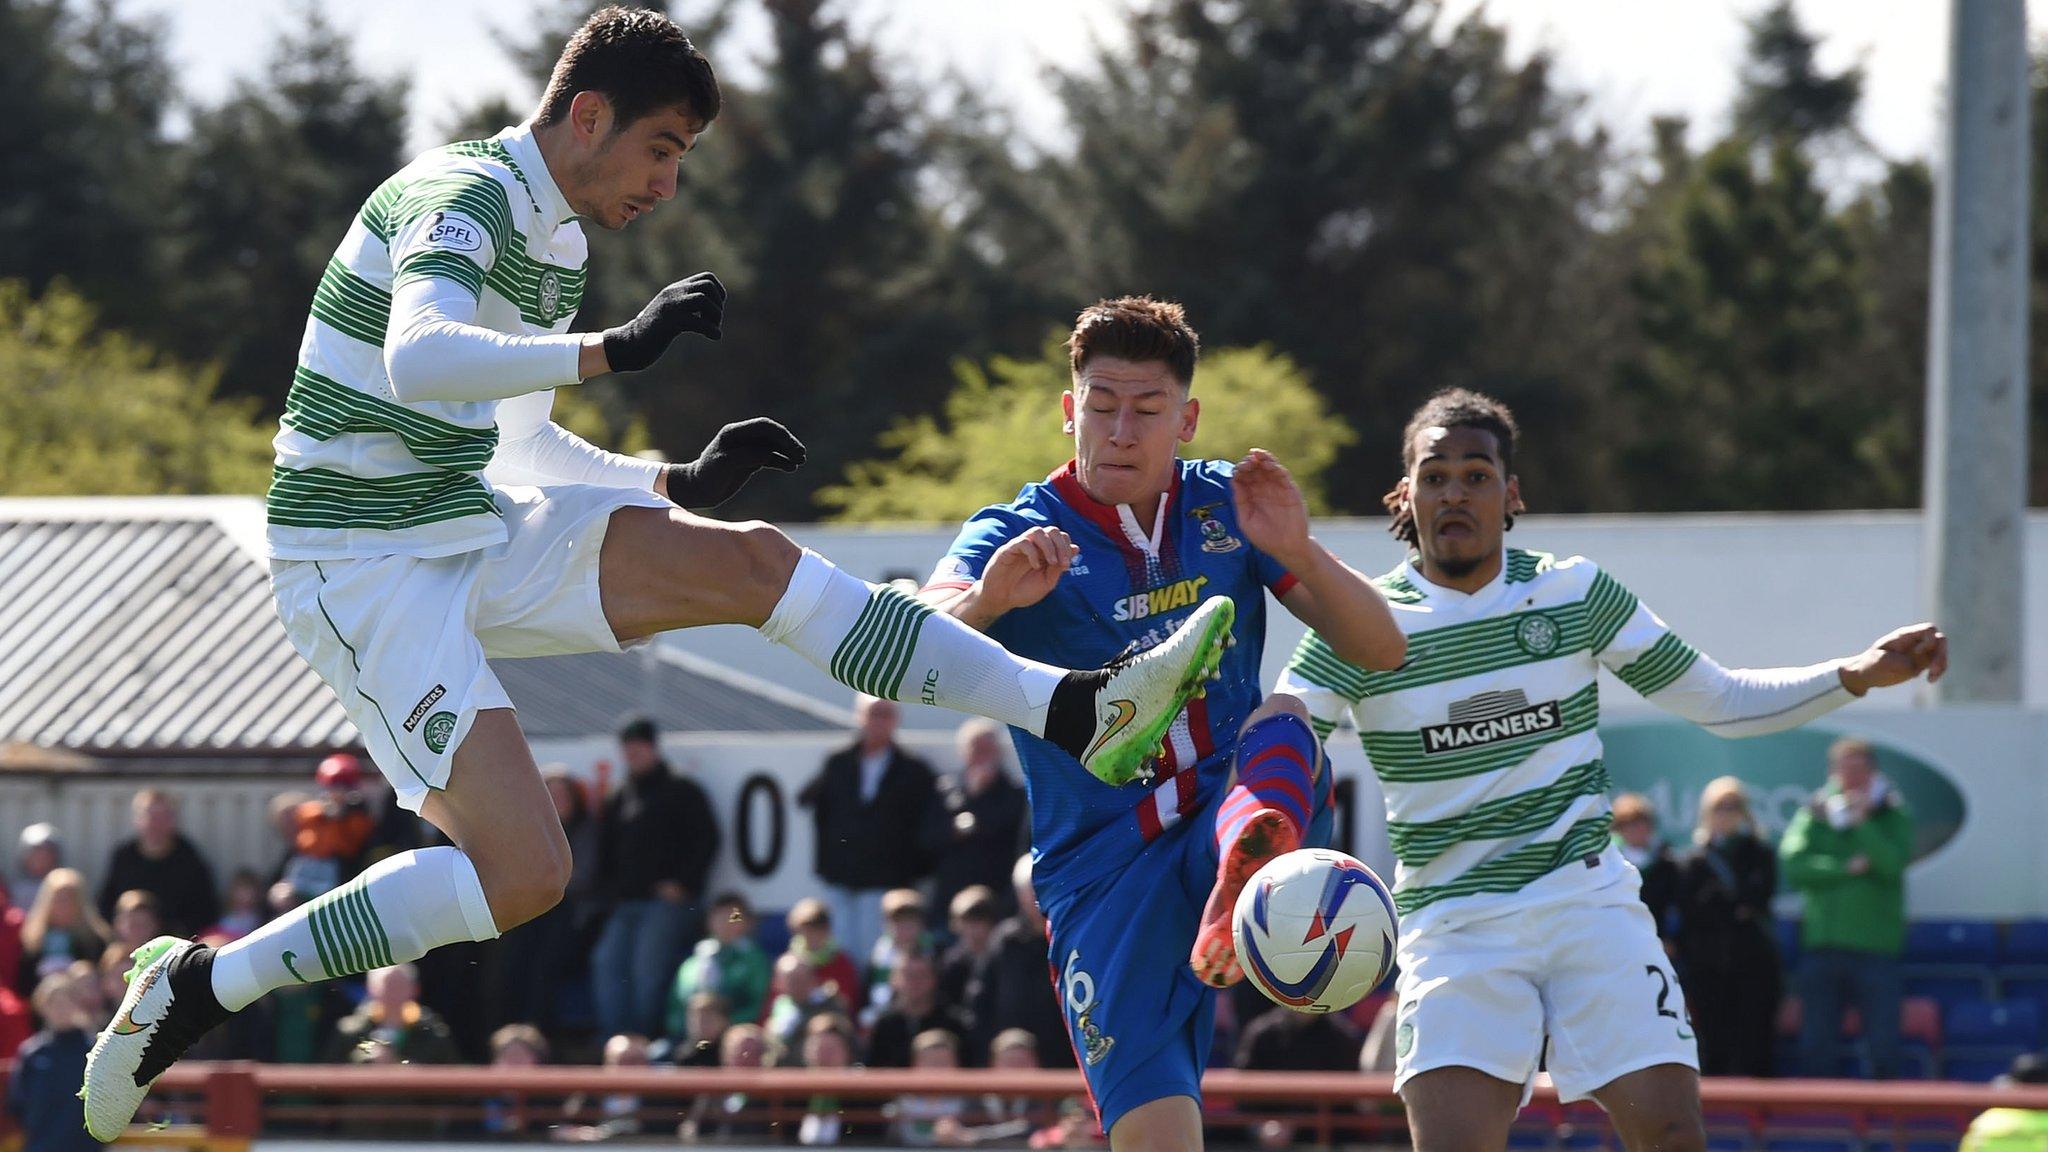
(1138, 876)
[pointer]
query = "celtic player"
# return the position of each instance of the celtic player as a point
(1520, 923)
(425, 514)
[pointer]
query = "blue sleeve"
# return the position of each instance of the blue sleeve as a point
(984, 532)
(1269, 572)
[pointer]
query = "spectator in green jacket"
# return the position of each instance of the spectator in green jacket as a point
(727, 962)
(1846, 851)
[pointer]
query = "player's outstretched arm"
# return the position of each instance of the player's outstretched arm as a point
(1754, 701)
(1329, 595)
(1019, 574)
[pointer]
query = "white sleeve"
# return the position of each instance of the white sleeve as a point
(1752, 701)
(533, 449)
(1324, 681)
(1644, 653)
(433, 350)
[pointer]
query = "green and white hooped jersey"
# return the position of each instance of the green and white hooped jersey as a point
(1485, 740)
(359, 473)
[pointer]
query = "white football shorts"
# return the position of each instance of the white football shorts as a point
(403, 641)
(1588, 975)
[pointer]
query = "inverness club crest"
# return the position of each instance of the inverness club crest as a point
(1215, 537)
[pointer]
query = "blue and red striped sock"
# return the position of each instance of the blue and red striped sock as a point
(1275, 768)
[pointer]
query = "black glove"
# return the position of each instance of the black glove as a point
(693, 305)
(736, 453)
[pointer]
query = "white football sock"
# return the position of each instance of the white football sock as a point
(399, 909)
(880, 641)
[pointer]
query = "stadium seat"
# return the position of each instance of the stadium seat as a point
(1978, 1023)
(1979, 1064)
(1790, 1012)
(1810, 1143)
(1918, 1061)
(2026, 942)
(1729, 1140)
(1531, 1137)
(1949, 991)
(1951, 942)
(1920, 1019)
(1920, 1144)
(2023, 987)
(1785, 1056)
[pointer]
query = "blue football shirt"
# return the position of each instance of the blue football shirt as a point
(1121, 591)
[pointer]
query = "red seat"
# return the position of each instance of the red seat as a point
(1920, 1019)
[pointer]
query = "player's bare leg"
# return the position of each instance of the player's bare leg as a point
(1460, 1109)
(497, 810)
(1656, 1109)
(1169, 1124)
(1265, 814)
(662, 569)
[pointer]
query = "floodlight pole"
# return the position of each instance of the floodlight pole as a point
(1976, 474)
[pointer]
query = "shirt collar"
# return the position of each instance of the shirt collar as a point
(1066, 481)
(1412, 569)
(519, 142)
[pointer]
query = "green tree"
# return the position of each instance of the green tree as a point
(1370, 187)
(80, 192)
(1000, 429)
(1755, 293)
(805, 198)
(1784, 95)
(264, 190)
(85, 410)
(1780, 337)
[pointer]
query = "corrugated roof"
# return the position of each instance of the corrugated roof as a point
(581, 695)
(130, 626)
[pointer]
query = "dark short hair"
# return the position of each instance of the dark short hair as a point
(732, 900)
(639, 60)
(1463, 408)
(639, 728)
(1451, 408)
(1136, 328)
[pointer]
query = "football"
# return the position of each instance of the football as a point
(1315, 930)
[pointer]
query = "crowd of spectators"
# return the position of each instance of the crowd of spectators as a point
(926, 949)
(1844, 852)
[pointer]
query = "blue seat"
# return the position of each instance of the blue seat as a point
(1924, 1144)
(1530, 1137)
(1585, 1139)
(1917, 1061)
(1785, 1056)
(1810, 1143)
(2028, 987)
(2026, 942)
(1977, 1063)
(1949, 991)
(1951, 942)
(1977, 1023)
(1729, 1140)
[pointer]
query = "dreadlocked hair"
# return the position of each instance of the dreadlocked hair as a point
(1450, 408)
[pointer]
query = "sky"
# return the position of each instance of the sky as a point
(1635, 58)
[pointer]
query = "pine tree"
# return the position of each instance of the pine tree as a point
(265, 189)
